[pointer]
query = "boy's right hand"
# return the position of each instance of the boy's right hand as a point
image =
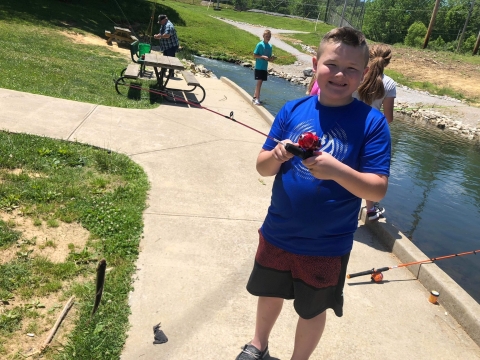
(280, 153)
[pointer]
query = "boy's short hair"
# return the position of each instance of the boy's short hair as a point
(267, 32)
(345, 35)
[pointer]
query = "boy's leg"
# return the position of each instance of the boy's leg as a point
(268, 309)
(257, 89)
(308, 335)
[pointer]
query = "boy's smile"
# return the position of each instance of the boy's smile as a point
(340, 70)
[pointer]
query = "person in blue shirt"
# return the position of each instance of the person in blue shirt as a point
(262, 55)
(307, 235)
(168, 39)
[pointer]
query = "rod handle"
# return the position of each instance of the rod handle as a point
(361, 273)
(298, 151)
(368, 272)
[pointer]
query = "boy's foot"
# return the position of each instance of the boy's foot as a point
(250, 352)
(375, 213)
(257, 102)
(379, 208)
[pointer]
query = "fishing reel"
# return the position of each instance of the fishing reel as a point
(376, 276)
(308, 142)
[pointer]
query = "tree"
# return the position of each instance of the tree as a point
(415, 35)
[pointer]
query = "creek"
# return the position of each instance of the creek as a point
(434, 186)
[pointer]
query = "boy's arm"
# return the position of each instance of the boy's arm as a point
(363, 185)
(269, 162)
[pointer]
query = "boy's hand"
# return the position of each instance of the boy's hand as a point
(272, 58)
(280, 153)
(323, 166)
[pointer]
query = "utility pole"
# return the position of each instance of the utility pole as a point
(465, 25)
(326, 12)
(343, 13)
(432, 22)
(477, 45)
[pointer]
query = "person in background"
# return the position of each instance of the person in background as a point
(168, 39)
(262, 55)
(377, 90)
(312, 88)
(307, 235)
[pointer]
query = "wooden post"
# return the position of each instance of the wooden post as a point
(477, 45)
(465, 26)
(432, 22)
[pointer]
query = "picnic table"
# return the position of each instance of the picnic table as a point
(160, 64)
(119, 35)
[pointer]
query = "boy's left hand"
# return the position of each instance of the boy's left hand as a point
(323, 166)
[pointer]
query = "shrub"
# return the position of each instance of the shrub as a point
(438, 44)
(416, 34)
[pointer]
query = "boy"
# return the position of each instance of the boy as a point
(262, 55)
(306, 238)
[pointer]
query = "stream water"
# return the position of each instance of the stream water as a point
(434, 185)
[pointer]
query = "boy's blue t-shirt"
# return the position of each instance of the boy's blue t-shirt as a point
(262, 49)
(309, 216)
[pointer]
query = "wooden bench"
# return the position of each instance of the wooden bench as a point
(192, 80)
(132, 71)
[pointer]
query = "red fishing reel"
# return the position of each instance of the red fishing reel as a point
(308, 142)
(377, 276)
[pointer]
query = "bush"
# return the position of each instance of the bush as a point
(468, 44)
(438, 44)
(416, 34)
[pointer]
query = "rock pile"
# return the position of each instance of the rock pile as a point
(435, 118)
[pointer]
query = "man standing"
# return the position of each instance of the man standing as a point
(168, 38)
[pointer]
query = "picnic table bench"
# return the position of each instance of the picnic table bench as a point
(119, 35)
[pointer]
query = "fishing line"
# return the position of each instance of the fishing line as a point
(129, 26)
(108, 18)
(302, 152)
(377, 273)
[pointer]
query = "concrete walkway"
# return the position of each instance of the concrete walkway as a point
(204, 208)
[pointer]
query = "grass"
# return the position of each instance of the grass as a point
(103, 191)
(426, 86)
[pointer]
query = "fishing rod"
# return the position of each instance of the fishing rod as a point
(129, 26)
(307, 142)
(377, 276)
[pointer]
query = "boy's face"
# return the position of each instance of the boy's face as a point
(340, 70)
(266, 38)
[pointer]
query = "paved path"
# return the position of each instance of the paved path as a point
(204, 208)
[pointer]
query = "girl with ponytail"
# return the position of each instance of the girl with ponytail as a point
(377, 90)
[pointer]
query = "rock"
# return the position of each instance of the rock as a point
(308, 72)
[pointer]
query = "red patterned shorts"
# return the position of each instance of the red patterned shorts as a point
(314, 282)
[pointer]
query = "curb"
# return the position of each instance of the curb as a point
(259, 109)
(461, 306)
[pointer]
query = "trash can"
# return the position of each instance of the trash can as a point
(143, 49)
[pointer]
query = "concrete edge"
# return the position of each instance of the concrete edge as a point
(459, 304)
(259, 109)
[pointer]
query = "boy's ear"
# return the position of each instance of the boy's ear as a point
(314, 63)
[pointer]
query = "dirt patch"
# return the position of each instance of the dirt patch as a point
(53, 243)
(438, 69)
(98, 41)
